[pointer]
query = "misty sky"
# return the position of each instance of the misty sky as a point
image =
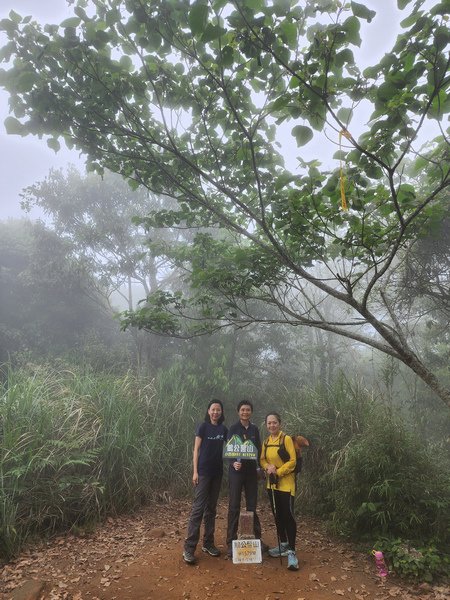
(25, 161)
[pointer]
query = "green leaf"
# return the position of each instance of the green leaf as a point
(345, 115)
(25, 81)
(346, 56)
(371, 72)
(302, 134)
(340, 155)
(53, 144)
(280, 103)
(198, 18)
(8, 25)
(14, 16)
(153, 42)
(126, 63)
(283, 180)
(419, 166)
(406, 193)
(71, 22)
(361, 11)
(13, 126)
(351, 27)
(289, 33)
(227, 56)
(411, 19)
(443, 8)
(402, 3)
(441, 37)
(212, 32)
(218, 4)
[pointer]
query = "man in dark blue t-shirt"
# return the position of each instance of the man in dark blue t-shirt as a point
(242, 474)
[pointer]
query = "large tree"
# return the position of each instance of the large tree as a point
(188, 99)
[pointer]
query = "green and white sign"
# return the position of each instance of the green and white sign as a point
(240, 449)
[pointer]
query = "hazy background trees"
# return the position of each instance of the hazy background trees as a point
(50, 299)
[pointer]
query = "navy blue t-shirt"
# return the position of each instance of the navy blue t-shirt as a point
(210, 456)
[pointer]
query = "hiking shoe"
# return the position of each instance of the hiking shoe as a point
(275, 552)
(211, 550)
(292, 561)
(189, 557)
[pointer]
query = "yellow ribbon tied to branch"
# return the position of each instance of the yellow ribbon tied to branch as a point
(347, 135)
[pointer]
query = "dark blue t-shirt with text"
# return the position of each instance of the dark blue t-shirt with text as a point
(210, 457)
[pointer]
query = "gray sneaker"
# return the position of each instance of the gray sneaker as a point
(292, 561)
(211, 550)
(189, 557)
(275, 552)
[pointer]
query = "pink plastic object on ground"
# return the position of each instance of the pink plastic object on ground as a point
(380, 564)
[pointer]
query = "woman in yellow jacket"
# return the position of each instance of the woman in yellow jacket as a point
(278, 459)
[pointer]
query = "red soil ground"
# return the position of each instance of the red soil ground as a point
(139, 558)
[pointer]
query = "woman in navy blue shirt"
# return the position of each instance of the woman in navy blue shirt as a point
(207, 478)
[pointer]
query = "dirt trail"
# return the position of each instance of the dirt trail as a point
(139, 557)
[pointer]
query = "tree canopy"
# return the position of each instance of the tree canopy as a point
(189, 99)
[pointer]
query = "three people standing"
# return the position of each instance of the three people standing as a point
(278, 459)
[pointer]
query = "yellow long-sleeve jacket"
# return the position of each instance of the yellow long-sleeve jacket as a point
(285, 470)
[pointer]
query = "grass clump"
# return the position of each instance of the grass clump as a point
(76, 446)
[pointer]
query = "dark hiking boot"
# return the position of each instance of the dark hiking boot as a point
(211, 550)
(189, 557)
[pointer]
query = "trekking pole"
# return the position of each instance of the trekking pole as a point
(271, 480)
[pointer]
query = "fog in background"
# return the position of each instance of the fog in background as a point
(28, 160)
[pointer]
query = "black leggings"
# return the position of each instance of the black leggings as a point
(284, 515)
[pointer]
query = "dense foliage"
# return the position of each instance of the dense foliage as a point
(192, 100)
(374, 477)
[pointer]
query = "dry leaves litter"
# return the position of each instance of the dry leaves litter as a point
(139, 557)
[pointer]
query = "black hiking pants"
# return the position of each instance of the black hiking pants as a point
(244, 480)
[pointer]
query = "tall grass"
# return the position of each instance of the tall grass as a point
(367, 471)
(76, 446)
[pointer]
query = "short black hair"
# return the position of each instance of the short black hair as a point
(275, 414)
(222, 416)
(244, 403)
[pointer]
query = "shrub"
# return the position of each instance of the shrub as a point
(366, 471)
(422, 563)
(389, 484)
